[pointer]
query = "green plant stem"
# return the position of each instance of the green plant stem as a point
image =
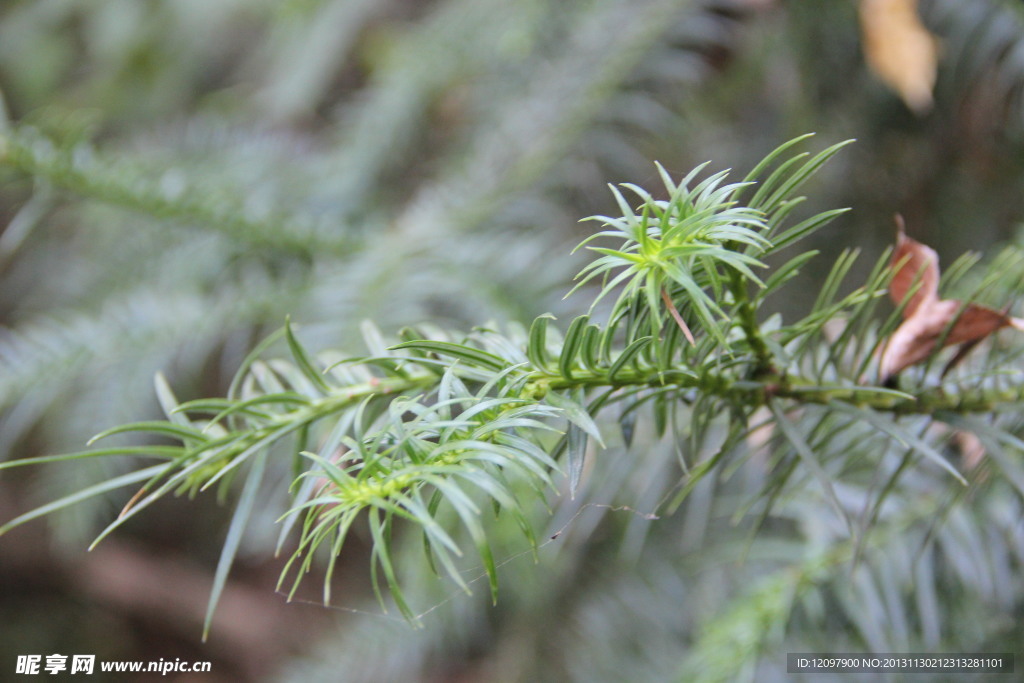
(756, 393)
(747, 315)
(753, 393)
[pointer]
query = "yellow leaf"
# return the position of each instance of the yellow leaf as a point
(900, 50)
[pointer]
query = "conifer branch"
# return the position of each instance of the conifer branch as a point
(81, 170)
(431, 431)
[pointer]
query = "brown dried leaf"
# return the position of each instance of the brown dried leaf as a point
(927, 320)
(916, 339)
(975, 323)
(900, 50)
(913, 263)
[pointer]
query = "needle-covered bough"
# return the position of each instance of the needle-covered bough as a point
(438, 432)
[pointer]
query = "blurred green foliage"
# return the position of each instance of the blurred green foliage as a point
(177, 176)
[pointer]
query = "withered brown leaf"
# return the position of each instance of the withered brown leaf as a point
(927, 319)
